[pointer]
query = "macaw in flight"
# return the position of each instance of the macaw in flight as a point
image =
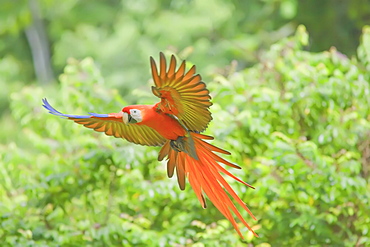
(175, 123)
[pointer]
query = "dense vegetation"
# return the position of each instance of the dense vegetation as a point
(297, 121)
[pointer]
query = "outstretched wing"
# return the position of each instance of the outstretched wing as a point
(183, 95)
(112, 124)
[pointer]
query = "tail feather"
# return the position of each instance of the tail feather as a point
(215, 149)
(164, 151)
(180, 170)
(194, 181)
(219, 159)
(204, 176)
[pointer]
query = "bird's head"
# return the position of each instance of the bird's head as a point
(131, 115)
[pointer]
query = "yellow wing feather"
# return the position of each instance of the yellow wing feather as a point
(112, 125)
(138, 134)
(183, 95)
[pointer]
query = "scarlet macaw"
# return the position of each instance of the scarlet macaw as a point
(175, 124)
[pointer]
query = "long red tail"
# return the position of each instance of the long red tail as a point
(204, 176)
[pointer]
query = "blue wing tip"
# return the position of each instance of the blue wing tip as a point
(53, 111)
(98, 115)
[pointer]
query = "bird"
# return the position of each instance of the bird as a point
(176, 124)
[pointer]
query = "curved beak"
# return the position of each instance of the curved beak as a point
(126, 117)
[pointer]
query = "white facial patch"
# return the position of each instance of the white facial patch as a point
(136, 114)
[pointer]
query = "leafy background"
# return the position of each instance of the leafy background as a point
(292, 105)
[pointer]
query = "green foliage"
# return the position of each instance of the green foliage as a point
(297, 122)
(121, 33)
(301, 122)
